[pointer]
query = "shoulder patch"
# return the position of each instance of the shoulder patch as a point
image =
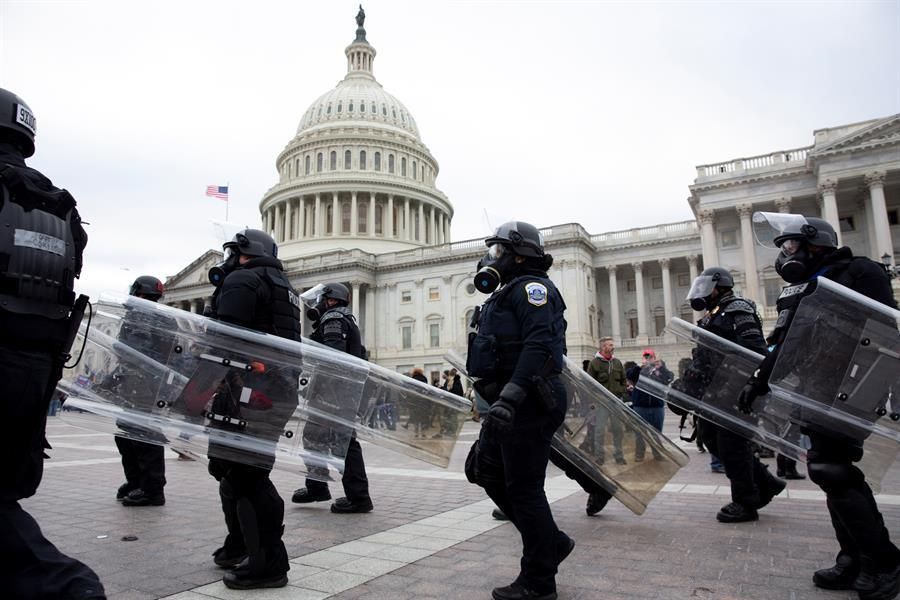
(741, 305)
(536, 293)
(331, 314)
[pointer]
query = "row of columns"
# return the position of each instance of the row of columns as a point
(303, 218)
(642, 313)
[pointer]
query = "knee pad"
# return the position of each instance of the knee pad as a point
(833, 476)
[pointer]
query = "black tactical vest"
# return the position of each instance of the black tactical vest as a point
(284, 310)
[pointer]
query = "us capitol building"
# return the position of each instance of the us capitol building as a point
(356, 201)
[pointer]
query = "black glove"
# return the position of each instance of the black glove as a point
(752, 389)
(503, 411)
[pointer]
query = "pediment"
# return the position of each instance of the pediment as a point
(197, 272)
(881, 132)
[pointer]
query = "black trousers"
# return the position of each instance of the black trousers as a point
(354, 479)
(30, 566)
(518, 490)
(254, 515)
(857, 522)
(144, 465)
(750, 479)
(576, 474)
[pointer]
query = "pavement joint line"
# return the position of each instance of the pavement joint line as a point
(348, 565)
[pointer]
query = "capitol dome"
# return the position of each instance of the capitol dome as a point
(356, 174)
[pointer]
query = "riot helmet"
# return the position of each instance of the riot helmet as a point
(247, 242)
(700, 294)
(316, 298)
(17, 122)
(794, 234)
(510, 240)
(148, 287)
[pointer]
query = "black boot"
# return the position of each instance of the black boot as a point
(140, 498)
(787, 468)
(736, 513)
(243, 580)
(564, 547)
(771, 488)
(596, 502)
(839, 577)
(229, 559)
(302, 496)
(499, 515)
(516, 591)
(879, 586)
(125, 489)
(345, 505)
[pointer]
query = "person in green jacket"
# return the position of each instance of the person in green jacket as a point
(610, 373)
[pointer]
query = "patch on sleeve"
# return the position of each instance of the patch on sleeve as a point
(536, 293)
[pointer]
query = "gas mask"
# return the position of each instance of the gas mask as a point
(794, 262)
(701, 304)
(494, 268)
(218, 273)
(316, 302)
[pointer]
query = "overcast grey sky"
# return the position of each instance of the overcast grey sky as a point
(550, 112)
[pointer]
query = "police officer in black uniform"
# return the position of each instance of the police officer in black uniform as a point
(41, 245)
(868, 561)
(253, 292)
(144, 463)
(517, 356)
(733, 318)
(335, 326)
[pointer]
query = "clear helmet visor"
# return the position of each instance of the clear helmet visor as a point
(790, 247)
(231, 253)
(313, 295)
(495, 251)
(701, 287)
(768, 226)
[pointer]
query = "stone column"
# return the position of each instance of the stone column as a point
(783, 204)
(336, 220)
(317, 217)
(370, 228)
(441, 239)
(355, 307)
(301, 217)
(614, 315)
(407, 230)
(828, 204)
(432, 227)
(447, 230)
(389, 226)
(667, 288)
(708, 236)
(641, 300)
(748, 246)
(288, 219)
(420, 227)
(354, 215)
(279, 224)
(369, 320)
(692, 266)
(883, 242)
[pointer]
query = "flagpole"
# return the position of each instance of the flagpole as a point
(228, 187)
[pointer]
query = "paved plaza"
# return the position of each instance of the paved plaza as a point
(431, 535)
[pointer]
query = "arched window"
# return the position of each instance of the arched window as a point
(320, 110)
(348, 158)
(403, 166)
(329, 219)
(329, 108)
(340, 105)
(307, 164)
(379, 218)
(297, 167)
(333, 161)
(394, 111)
(345, 217)
(378, 161)
(362, 160)
(362, 217)
(362, 107)
(350, 106)
(414, 169)
(423, 173)
(319, 162)
(384, 110)
(390, 163)
(403, 116)
(374, 109)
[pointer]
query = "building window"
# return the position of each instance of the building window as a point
(374, 109)
(434, 335)
(687, 315)
(403, 166)
(329, 219)
(308, 162)
(684, 279)
(339, 107)
(414, 169)
(660, 322)
(892, 217)
(319, 162)
(630, 285)
(345, 217)
(329, 108)
(377, 161)
(390, 163)
(362, 107)
(773, 290)
(362, 160)
(423, 173)
(394, 112)
(406, 336)
(434, 293)
(362, 216)
(379, 218)
(847, 223)
(728, 238)
(405, 296)
(632, 327)
(350, 106)
(333, 161)
(656, 283)
(348, 159)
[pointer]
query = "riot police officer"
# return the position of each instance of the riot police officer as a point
(735, 319)
(41, 246)
(335, 326)
(253, 292)
(144, 463)
(868, 561)
(517, 356)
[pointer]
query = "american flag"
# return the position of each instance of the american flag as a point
(217, 191)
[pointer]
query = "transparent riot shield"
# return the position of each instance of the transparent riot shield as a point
(840, 364)
(601, 437)
(710, 384)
